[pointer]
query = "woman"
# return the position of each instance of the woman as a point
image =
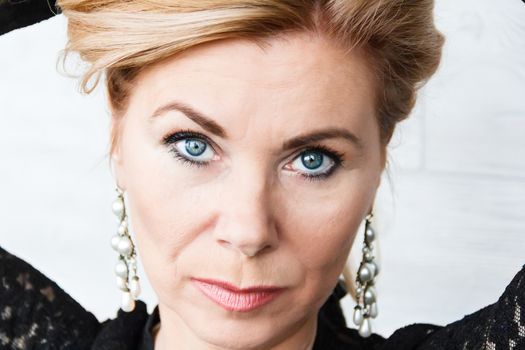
(248, 138)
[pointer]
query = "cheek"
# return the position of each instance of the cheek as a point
(321, 233)
(322, 242)
(158, 203)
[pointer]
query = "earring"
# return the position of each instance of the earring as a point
(126, 267)
(365, 291)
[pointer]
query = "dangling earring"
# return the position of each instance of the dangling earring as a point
(126, 267)
(365, 291)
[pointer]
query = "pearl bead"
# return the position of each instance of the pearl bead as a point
(369, 235)
(121, 269)
(122, 230)
(373, 310)
(124, 223)
(125, 246)
(365, 330)
(365, 274)
(358, 315)
(376, 267)
(118, 207)
(370, 295)
(134, 287)
(114, 242)
(372, 268)
(121, 283)
(368, 256)
(128, 303)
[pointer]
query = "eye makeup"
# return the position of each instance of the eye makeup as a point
(172, 139)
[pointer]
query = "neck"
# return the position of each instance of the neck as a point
(174, 334)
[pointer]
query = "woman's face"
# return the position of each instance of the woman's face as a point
(251, 167)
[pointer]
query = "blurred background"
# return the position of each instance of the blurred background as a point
(450, 213)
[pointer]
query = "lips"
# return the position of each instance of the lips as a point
(232, 298)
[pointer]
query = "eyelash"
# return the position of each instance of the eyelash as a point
(170, 139)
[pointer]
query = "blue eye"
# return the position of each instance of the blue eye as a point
(195, 147)
(312, 160)
(318, 158)
(191, 143)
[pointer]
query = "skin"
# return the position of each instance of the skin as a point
(249, 217)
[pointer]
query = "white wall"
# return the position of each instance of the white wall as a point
(452, 228)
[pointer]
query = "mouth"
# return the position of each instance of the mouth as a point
(232, 298)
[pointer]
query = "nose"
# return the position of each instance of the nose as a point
(246, 223)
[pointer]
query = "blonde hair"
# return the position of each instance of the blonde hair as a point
(120, 38)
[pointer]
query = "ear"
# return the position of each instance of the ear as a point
(384, 165)
(116, 156)
(384, 158)
(371, 207)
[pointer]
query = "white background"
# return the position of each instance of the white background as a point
(451, 228)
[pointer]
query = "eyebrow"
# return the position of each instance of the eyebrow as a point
(205, 122)
(211, 126)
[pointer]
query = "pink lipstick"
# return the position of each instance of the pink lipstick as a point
(234, 299)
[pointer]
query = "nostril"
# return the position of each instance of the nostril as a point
(224, 243)
(247, 250)
(264, 250)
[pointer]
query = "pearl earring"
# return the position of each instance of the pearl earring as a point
(368, 270)
(126, 267)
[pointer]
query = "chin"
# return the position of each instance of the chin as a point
(241, 332)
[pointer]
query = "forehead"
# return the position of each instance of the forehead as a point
(299, 78)
(282, 62)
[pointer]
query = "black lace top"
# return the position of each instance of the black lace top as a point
(35, 313)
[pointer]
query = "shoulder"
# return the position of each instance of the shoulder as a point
(344, 338)
(125, 331)
(34, 310)
(500, 325)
